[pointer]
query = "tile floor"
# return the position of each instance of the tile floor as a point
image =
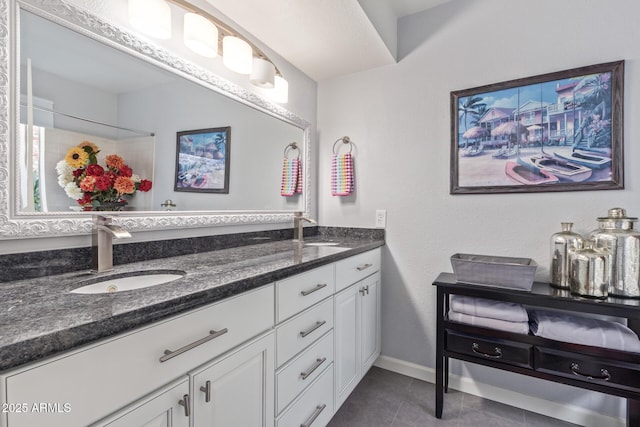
(386, 399)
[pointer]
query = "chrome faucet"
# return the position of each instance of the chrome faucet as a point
(298, 229)
(102, 242)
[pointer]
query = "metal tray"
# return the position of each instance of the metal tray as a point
(497, 271)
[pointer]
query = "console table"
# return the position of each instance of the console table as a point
(608, 371)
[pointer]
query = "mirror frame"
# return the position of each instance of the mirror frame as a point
(15, 224)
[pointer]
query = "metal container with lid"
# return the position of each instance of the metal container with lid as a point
(617, 235)
(589, 271)
(562, 243)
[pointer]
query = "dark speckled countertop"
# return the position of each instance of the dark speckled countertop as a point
(40, 317)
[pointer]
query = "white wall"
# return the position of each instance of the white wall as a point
(398, 116)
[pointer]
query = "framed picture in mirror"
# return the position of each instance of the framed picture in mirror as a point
(560, 131)
(202, 160)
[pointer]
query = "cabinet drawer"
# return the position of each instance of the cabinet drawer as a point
(497, 350)
(301, 371)
(314, 408)
(351, 270)
(580, 367)
(101, 378)
(299, 292)
(297, 333)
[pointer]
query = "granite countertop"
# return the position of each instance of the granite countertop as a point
(40, 317)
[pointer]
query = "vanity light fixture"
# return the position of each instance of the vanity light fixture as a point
(200, 30)
(151, 17)
(200, 35)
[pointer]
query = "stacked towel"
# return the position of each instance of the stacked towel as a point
(291, 177)
(504, 316)
(583, 330)
(342, 183)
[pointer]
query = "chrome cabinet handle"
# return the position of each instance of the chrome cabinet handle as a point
(497, 352)
(313, 328)
(304, 375)
(313, 416)
(364, 267)
(317, 288)
(185, 402)
(366, 288)
(206, 388)
(604, 374)
(362, 291)
(168, 354)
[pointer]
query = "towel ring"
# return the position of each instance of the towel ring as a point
(292, 146)
(345, 140)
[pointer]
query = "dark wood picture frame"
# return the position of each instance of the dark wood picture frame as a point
(202, 160)
(561, 131)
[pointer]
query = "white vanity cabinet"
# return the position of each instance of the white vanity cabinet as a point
(88, 384)
(357, 321)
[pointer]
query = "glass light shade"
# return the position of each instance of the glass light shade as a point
(237, 55)
(280, 92)
(263, 73)
(151, 17)
(200, 35)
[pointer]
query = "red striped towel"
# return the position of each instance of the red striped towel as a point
(342, 182)
(291, 177)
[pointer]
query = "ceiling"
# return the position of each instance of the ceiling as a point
(325, 38)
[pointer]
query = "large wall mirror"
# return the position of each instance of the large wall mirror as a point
(74, 78)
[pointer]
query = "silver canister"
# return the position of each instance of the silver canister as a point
(617, 235)
(561, 244)
(589, 271)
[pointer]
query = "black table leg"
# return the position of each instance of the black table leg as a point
(633, 413)
(440, 359)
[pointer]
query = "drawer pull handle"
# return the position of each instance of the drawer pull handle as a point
(313, 416)
(364, 267)
(316, 365)
(168, 354)
(604, 374)
(496, 355)
(313, 328)
(185, 402)
(206, 389)
(310, 291)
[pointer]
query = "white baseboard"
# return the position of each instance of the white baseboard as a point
(570, 413)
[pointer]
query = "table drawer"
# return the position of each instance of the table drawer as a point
(497, 350)
(101, 378)
(588, 369)
(297, 333)
(357, 267)
(314, 408)
(297, 293)
(301, 371)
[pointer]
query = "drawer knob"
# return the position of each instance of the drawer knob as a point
(313, 416)
(169, 354)
(364, 267)
(206, 389)
(313, 328)
(304, 375)
(185, 402)
(497, 352)
(310, 291)
(604, 374)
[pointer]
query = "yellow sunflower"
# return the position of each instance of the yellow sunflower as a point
(76, 157)
(93, 146)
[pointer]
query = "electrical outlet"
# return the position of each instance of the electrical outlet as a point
(381, 218)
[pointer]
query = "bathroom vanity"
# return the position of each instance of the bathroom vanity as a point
(593, 368)
(268, 334)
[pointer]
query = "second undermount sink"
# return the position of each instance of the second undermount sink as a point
(128, 281)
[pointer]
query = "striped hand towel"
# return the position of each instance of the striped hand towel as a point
(342, 183)
(291, 177)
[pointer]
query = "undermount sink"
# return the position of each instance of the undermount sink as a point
(128, 281)
(321, 244)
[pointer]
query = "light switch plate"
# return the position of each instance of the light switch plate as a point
(381, 218)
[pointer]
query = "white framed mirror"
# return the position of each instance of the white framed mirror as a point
(151, 92)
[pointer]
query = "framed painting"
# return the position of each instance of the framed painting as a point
(202, 160)
(561, 131)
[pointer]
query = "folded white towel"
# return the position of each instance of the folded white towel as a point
(489, 308)
(486, 322)
(583, 330)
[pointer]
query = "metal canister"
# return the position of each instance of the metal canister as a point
(589, 271)
(617, 235)
(561, 244)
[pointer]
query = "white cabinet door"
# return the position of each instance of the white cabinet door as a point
(370, 320)
(347, 344)
(159, 409)
(237, 389)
